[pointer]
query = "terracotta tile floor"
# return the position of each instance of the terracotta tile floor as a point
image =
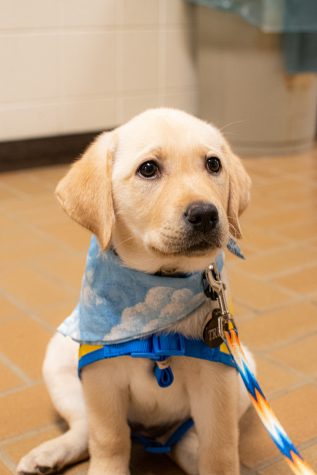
(42, 254)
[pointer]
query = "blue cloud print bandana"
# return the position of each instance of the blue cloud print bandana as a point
(118, 304)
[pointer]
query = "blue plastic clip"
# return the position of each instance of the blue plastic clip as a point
(164, 377)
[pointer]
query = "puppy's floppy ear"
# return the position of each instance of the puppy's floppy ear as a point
(239, 193)
(85, 192)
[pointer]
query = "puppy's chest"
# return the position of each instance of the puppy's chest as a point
(151, 405)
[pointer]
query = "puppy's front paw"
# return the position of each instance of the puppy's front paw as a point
(46, 459)
(29, 465)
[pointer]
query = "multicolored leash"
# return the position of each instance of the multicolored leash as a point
(222, 327)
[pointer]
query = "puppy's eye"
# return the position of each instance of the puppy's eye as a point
(213, 165)
(149, 169)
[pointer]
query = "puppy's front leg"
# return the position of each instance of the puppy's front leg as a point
(106, 394)
(214, 401)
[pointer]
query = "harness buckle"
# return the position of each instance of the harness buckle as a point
(168, 345)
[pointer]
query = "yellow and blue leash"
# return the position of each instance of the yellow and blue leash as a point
(222, 326)
(263, 408)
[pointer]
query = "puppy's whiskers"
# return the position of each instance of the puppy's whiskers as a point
(124, 241)
(230, 124)
(232, 231)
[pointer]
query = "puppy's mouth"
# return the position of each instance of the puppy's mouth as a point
(189, 246)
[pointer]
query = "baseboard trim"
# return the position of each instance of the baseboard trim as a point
(30, 153)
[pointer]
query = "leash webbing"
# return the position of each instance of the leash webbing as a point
(264, 410)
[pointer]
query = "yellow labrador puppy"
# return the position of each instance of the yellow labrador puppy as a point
(164, 193)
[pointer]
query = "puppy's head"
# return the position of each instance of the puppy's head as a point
(165, 190)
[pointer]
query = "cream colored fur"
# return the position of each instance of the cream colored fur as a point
(143, 220)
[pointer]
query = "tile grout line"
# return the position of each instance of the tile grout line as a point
(16, 370)
(271, 308)
(31, 433)
(7, 462)
(45, 235)
(275, 395)
(295, 296)
(27, 311)
(284, 343)
(71, 289)
(277, 275)
(278, 458)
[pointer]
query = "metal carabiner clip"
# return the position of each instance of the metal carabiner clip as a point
(214, 331)
(218, 286)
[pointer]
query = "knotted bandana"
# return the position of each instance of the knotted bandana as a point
(118, 304)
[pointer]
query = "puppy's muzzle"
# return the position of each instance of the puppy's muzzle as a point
(201, 216)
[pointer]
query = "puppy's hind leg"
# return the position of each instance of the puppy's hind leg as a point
(64, 386)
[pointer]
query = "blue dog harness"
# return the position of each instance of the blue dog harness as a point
(158, 348)
(110, 322)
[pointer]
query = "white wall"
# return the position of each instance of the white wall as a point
(69, 66)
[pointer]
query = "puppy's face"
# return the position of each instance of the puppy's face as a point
(172, 198)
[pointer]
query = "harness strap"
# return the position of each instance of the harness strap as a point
(155, 447)
(158, 348)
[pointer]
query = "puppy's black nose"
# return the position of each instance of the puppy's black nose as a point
(202, 216)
